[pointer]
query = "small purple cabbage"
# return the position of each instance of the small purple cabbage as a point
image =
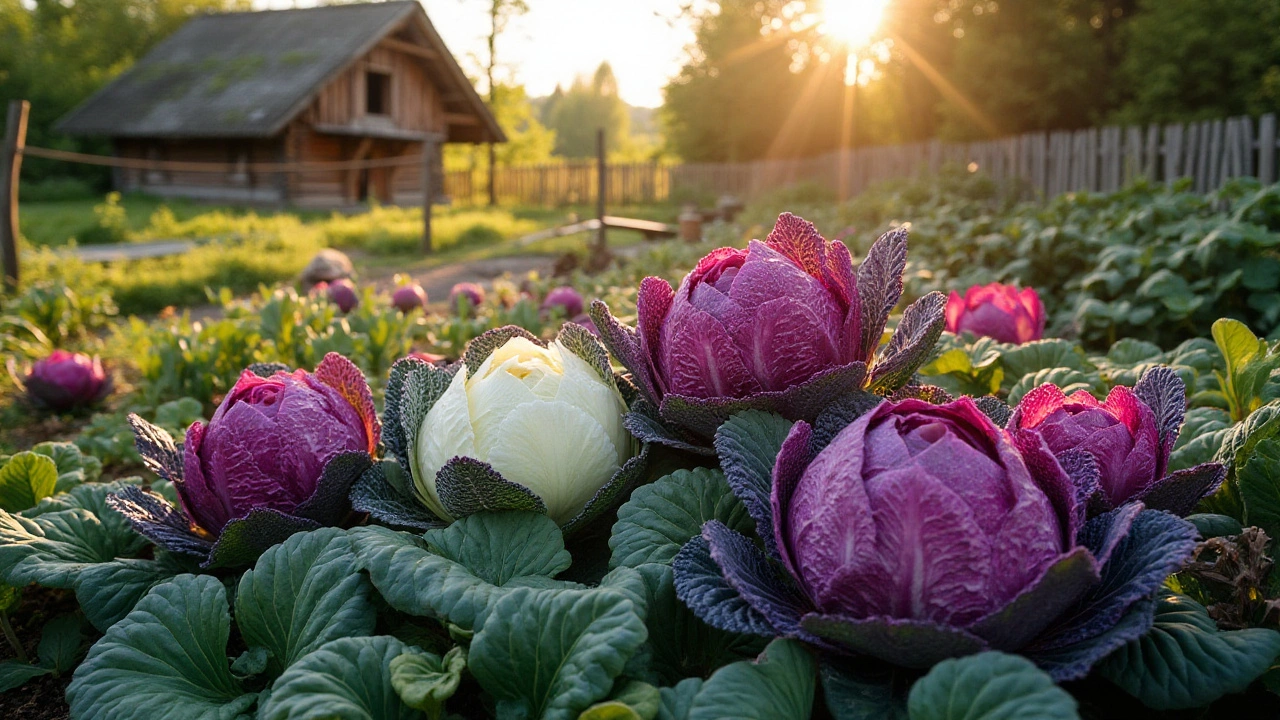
(67, 381)
(922, 532)
(471, 291)
(343, 294)
(566, 298)
(408, 298)
(1129, 438)
(279, 455)
(786, 325)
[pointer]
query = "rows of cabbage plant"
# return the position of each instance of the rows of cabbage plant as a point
(769, 511)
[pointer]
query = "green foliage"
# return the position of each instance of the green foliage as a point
(777, 685)
(1185, 661)
(988, 686)
(63, 315)
(1246, 382)
(110, 223)
(575, 114)
(660, 518)
(26, 479)
(349, 677)
(425, 681)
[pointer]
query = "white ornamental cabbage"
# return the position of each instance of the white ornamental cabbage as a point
(541, 417)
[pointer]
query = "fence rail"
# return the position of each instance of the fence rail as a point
(1209, 153)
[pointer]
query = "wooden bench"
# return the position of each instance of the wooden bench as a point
(650, 229)
(121, 252)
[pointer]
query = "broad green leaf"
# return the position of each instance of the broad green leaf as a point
(1184, 661)
(1069, 379)
(26, 479)
(681, 645)
(60, 643)
(552, 654)
(1249, 364)
(1201, 436)
(676, 701)
(92, 496)
(661, 517)
(1131, 352)
(51, 548)
(634, 701)
(1032, 357)
(989, 686)
(861, 691)
(470, 565)
(166, 660)
(779, 685)
(345, 678)
(74, 467)
(425, 681)
(1211, 525)
(303, 593)
(1259, 482)
(108, 591)
(251, 662)
(15, 674)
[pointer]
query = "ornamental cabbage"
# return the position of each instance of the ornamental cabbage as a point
(408, 298)
(542, 417)
(66, 381)
(473, 293)
(1000, 312)
(566, 298)
(343, 294)
(922, 532)
(280, 453)
(785, 325)
(1129, 438)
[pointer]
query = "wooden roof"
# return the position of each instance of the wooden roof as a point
(249, 74)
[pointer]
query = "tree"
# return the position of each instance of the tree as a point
(1196, 59)
(528, 141)
(575, 115)
(500, 13)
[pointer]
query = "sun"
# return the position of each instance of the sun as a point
(852, 22)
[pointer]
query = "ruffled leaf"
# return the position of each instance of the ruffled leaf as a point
(342, 375)
(243, 540)
(383, 491)
(861, 691)
(839, 415)
(330, 504)
(481, 347)
(159, 453)
(1185, 661)
(880, 286)
(552, 654)
(701, 585)
(762, 584)
(579, 341)
(346, 678)
(619, 486)
(161, 523)
(424, 681)
(988, 686)
(467, 486)
(301, 594)
(994, 408)
(167, 659)
(910, 643)
(470, 564)
(1182, 490)
(911, 344)
(661, 517)
(644, 424)
(748, 445)
(1166, 394)
(804, 401)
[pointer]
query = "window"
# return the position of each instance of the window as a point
(377, 93)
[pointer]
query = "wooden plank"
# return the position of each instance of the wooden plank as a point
(1173, 139)
(1246, 146)
(1151, 153)
(1267, 149)
(1212, 155)
(409, 48)
(15, 139)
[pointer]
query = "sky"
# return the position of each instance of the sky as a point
(558, 40)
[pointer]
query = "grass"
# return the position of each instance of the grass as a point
(265, 247)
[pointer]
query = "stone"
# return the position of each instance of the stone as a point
(327, 265)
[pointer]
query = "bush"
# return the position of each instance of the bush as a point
(57, 189)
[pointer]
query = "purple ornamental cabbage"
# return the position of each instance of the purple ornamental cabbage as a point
(471, 291)
(922, 532)
(408, 298)
(343, 294)
(565, 298)
(785, 325)
(67, 381)
(278, 456)
(1129, 438)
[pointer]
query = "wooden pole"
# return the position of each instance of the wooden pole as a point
(15, 139)
(429, 149)
(601, 190)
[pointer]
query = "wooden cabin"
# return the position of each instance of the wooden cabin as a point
(324, 84)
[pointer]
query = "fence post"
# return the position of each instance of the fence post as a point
(602, 188)
(15, 138)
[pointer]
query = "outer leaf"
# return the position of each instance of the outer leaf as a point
(382, 492)
(683, 646)
(913, 340)
(860, 692)
(552, 654)
(160, 522)
(777, 686)
(330, 503)
(1185, 661)
(677, 701)
(301, 594)
(14, 674)
(107, 592)
(166, 660)
(26, 479)
(701, 586)
(425, 681)
(245, 539)
(159, 453)
(660, 518)
(481, 347)
(1259, 481)
(470, 564)
(467, 486)
(52, 548)
(989, 686)
(60, 643)
(74, 467)
(1022, 360)
(627, 477)
(880, 286)
(346, 678)
(748, 444)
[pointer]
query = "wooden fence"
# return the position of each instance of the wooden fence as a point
(1103, 159)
